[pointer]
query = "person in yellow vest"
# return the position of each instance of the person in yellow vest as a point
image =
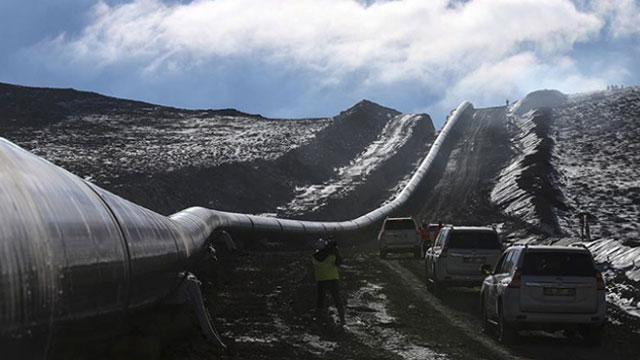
(326, 260)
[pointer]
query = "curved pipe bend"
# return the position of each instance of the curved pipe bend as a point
(237, 221)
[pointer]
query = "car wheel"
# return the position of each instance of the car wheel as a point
(383, 254)
(592, 335)
(506, 332)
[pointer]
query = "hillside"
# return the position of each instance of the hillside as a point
(168, 159)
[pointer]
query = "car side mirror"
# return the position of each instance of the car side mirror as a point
(486, 269)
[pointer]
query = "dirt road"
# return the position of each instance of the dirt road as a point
(460, 192)
(265, 310)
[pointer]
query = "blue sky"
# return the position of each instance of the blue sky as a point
(299, 58)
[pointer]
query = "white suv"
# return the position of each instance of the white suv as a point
(399, 235)
(544, 287)
(458, 254)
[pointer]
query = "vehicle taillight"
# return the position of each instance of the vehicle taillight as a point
(599, 281)
(515, 280)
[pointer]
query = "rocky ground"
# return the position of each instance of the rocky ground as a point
(598, 153)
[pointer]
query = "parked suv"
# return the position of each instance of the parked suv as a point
(544, 287)
(458, 254)
(399, 235)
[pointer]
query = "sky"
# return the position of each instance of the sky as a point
(315, 58)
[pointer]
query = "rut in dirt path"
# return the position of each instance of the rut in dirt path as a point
(459, 192)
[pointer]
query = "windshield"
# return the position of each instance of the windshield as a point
(474, 240)
(557, 264)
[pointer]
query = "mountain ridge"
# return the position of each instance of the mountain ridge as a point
(51, 104)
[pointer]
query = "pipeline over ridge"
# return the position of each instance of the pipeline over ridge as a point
(71, 250)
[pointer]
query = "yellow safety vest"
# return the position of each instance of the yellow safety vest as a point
(327, 269)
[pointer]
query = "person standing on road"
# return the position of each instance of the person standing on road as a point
(437, 230)
(326, 260)
(585, 232)
(424, 234)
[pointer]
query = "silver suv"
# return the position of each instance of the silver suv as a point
(458, 254)
(544, 287)
(399, 235)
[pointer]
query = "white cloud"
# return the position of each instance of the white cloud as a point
(623, 16)
(490, 83)
(477, 48)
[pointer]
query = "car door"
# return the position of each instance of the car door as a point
(503, 279)
(491, 292)
(433, 253)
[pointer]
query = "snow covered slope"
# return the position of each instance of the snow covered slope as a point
(98, 137)
(168, 159)
(527, 188)
(597, 139)
(573, 154)
(393, 137)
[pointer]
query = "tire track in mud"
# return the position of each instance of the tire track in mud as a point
(620, 341)
(463, 323)
(460, 193)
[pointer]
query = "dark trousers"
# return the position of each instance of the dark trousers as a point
(333, 287)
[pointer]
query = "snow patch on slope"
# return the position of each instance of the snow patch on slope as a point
(598, 156)
(103, 145)
(394, 135)
(527, 187)
(507, 194)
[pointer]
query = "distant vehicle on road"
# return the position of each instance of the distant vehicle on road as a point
(544, 287)
(458, 253)
(400, 235)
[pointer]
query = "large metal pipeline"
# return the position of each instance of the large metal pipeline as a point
(71, 250)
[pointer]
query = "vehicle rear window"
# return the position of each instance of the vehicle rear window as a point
(557, 264)
(404, 224)
(474, 240)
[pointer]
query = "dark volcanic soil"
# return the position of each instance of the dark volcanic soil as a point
(265, 310)
(473, 163)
